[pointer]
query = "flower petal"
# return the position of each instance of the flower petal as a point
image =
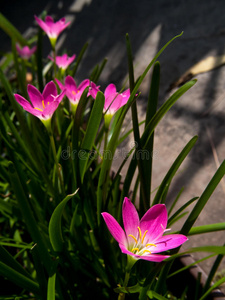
(61, 86)
(169, 241)
(50, 89)
(50, 109)
(110, 89)
(35, 96)
(115, 228)
(42, 24)
(130, 218)
(70, 83)
(149, 257)
(155, 221)
(85, 83)
(27, 106)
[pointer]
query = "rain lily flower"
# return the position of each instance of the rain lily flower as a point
(113, 99)
(25, 52)
(63, 61)
(52, 29)
(143, 239)
(73, 92)
(42, 105)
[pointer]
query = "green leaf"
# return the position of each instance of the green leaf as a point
(179, 211)
(11, 262)
(207, 228)
(151, 111)
(154, 295)
(51, 285)
(91, 132)
(203, 199)
(28, 216)
(130, 290)
(55, 226)
(214, 286)
(78, 59)
(160, 195)
(11, 30)
(19, 279)
(163, 110)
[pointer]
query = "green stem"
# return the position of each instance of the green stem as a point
(125, 283)
(56, 160)
(130, 262)
(54, 57)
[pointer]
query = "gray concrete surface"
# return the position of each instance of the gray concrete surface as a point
(150, 25)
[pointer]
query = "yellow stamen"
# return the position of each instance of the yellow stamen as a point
(48, 103)
(139, 229)
(135, 249)
(38, 108)
(133, 238)
(147, 251)
(147, 245)
(144, 236)
(43, 103)
(74, 93)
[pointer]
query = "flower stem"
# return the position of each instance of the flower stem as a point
(56, 160)
(130, 263)
(125, 283)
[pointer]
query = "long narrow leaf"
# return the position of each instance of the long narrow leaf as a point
(91, 132)
(11, 30)
(151, 111)
(207, 228)
(28, 215)
(173, 169)
(164, 108)
(19, 279)
(51, 287)
(203, 199)
(55, 227)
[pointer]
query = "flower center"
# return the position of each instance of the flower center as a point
(43, 104)
(74, 93)
(140, 247)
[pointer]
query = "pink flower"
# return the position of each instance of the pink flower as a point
(113, 99)
(63, 61)
(52, 29)
(42, 105)
(25, 52)
(73, 92)
(143, 239)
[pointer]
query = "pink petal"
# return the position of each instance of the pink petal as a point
(130, 218)
(27, 106)
(51, 58)
(70, 84)
(115, 228)
(149, 257)
(50, 109)
(116, 103)
(42, 24)
(110, 89)
(155, 221)
(60, 96)
(61, 86)
(49, 21)
(50, 91)
(93, 90)
(126, 93)
(167, 242)
(109, 101)
(85, 83)
(35, 96)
